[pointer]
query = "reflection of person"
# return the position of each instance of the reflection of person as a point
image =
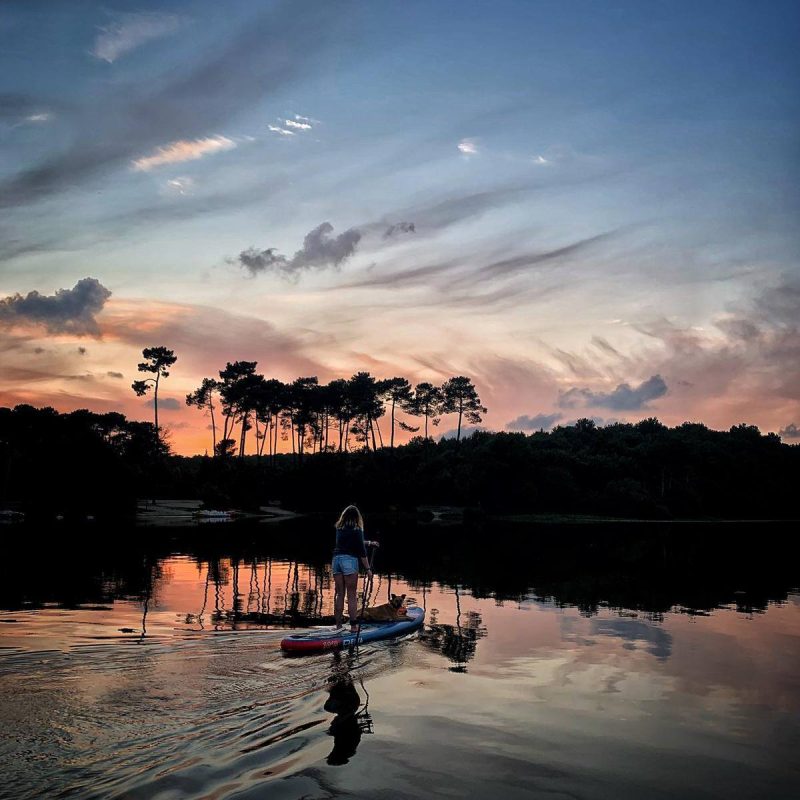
(343, 701)
(349, 550)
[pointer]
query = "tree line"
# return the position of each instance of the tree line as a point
(82, 462)
(77, 463)
(339, 416)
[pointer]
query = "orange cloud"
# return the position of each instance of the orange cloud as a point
(182, 150)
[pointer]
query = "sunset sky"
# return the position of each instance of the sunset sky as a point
(590, 208)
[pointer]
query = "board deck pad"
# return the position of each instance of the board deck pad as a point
(329, 638)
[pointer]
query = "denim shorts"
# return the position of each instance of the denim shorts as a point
(345, 565)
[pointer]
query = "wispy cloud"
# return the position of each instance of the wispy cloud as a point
(182, 185)
(509, 266)
(302, 126)
(468, 147)
(133, 118)
(459, 207)
(67, 311)
(280, 131)
(207, 337)
(15, 106)
(183, 150)
(455, 274)
(131, 30)
(21, 109)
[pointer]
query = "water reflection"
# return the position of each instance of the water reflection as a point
(653, 569)
(574, 670)
(351, 719)
(456, 642)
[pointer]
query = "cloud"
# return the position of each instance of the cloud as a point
(67, 311)
(280, 131)
(165, 404)
(508, 266)
(131, 118)
(454, 275)
(751, 358)
(183, 150)
(19, 109)
(25, 375)
(791, 431)
(399, 227)
(112, 374)
(302, 126)
(599, 421)
(320, 249)
(179, 426)
(257, 261)
(534, 423)
(469, 147)
(131, 30)
(466, 432)
(179, 186)
(206, 337)
(15, 106)
(624, 398)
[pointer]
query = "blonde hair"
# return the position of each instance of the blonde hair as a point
(350, 518)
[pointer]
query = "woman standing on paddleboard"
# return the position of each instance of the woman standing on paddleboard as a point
(349, 550)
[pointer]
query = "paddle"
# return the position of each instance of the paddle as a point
(367, 591)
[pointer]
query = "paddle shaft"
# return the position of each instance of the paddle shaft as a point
(367, 591)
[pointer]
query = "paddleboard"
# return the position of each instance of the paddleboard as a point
(317, 640)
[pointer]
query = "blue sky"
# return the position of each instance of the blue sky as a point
(600, 193)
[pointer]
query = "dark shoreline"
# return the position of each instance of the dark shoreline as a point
(430, 516)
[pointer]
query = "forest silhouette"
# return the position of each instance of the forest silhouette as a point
(82, 462)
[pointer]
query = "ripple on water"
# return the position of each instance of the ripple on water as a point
(183, 715)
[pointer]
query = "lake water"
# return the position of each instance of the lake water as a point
(583, 662)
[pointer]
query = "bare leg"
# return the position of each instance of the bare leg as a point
(351, 584)
(338, 598)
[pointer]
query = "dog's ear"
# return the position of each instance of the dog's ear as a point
(402, 597)
(394, 597)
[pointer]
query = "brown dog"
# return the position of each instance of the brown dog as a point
(388, 612)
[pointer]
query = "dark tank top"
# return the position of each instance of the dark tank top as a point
(350, 542)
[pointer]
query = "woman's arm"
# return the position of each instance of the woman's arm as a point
(364, 559)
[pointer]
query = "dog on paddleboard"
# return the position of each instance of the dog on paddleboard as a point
(392, 611)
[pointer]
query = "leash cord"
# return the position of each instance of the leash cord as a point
(367, 589)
